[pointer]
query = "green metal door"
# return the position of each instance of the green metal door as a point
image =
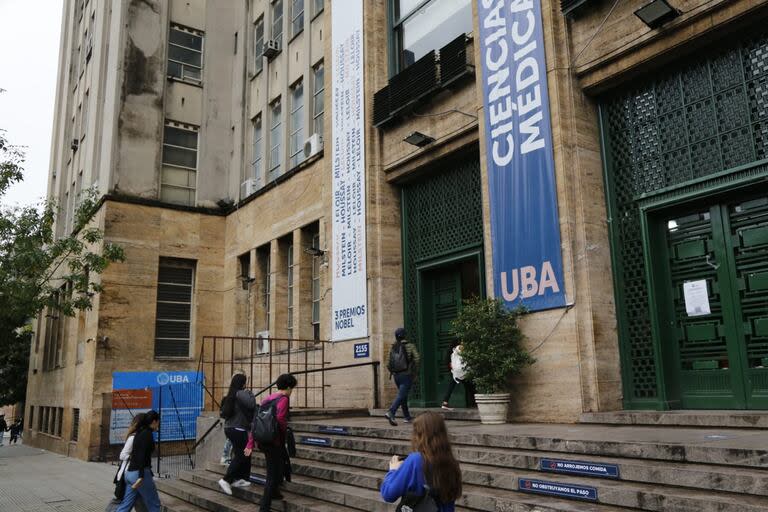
(442, 300)
(719, 344)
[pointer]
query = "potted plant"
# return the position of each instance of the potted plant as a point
(491, 353)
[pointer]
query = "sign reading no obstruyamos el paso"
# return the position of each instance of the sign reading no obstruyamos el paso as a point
(350, 295)
(525, 231)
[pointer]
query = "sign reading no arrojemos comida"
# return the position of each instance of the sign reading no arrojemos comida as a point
(350, 296)
(525, 231)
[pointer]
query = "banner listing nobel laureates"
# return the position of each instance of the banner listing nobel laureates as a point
(525, 230)
(350, 294)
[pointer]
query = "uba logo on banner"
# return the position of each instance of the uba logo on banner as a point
(525, 228)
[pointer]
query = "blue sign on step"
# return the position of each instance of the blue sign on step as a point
(558, 489)
(362, 350)
(574, 467)
(329, 429)
(316, 441)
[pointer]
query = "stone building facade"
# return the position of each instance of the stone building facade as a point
(172, 111)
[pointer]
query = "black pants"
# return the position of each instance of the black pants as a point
(469, 390)
(275, 455)
(240, 467)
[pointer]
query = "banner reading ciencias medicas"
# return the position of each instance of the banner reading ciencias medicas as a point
(525, 230)
(350, 297)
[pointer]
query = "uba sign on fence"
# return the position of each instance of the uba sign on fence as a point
(527, 263)
(178, 396)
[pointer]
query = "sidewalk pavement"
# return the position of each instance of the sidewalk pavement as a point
(34, 480)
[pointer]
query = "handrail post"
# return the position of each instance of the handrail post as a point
(375, 384)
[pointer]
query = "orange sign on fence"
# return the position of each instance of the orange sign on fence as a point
(132, 399)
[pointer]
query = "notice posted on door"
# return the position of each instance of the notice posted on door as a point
(696, 298)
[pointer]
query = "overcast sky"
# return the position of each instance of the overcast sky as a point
(29, 52)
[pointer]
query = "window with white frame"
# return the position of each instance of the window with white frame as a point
(256, 151)
(296, 126)
(297, 16)
(318, 98)
(173, 322)
(179, 174)
(316, 287)
(290, 291)
(267, 287)
(84, 114)
(317, 6)
(185, 54)
(258, 45)
(277, 21)
(275, 139)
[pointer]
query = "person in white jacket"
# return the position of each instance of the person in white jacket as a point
(458, 374)
(125, 458)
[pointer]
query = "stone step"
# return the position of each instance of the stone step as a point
(735, 447)
(368, 499)
(371, 453)
(172, 504)
(708, 419)
(209, 497)
(458, 414)
(612, 492)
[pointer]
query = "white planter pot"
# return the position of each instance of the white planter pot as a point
(493, 408)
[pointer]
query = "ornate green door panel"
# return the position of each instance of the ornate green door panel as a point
(441, 303)
(694, 119)
(720, 350)
(706, 343)
(748, 234)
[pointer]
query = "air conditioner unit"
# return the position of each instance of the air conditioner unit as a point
(262, 342)
(271, 48)
(313, 145)
(247, 188)
(75, 144)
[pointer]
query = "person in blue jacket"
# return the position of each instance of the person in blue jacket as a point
(430, 464)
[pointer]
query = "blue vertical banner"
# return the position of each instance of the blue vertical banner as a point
(525, 229)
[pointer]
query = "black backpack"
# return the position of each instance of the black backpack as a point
(264, 427)
(398, 358)
(227, 408)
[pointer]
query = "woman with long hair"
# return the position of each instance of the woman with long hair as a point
(237, 409)
(431, 469)
(125, 456)
(138, 475)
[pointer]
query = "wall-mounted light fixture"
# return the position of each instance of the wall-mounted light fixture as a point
(656, 13)
(419, 139)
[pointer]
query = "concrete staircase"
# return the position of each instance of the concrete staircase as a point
(341, 462)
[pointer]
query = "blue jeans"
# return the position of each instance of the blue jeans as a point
(147, 491)
(226, 452)
(403, 381)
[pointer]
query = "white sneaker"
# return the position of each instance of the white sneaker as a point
(225, 487)
(241, 483)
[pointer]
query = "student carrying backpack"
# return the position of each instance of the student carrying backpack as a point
(403, 365)
(268, 429)
(237, 408)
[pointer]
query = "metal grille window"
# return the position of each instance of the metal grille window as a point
(277, 21)
(421, 27)
(75, 424)
(258, 45)
(290, 291)
(275, 139)
(316, 286)
(41, 419)
(185, 55)
(173, 324)
(256, 158)
(296, 146)
(179, 177)
(31, 418)
(297, 16)
(318, 98)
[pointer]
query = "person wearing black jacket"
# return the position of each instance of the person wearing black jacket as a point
(240, 406)
(138, 475)
(3, 428)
